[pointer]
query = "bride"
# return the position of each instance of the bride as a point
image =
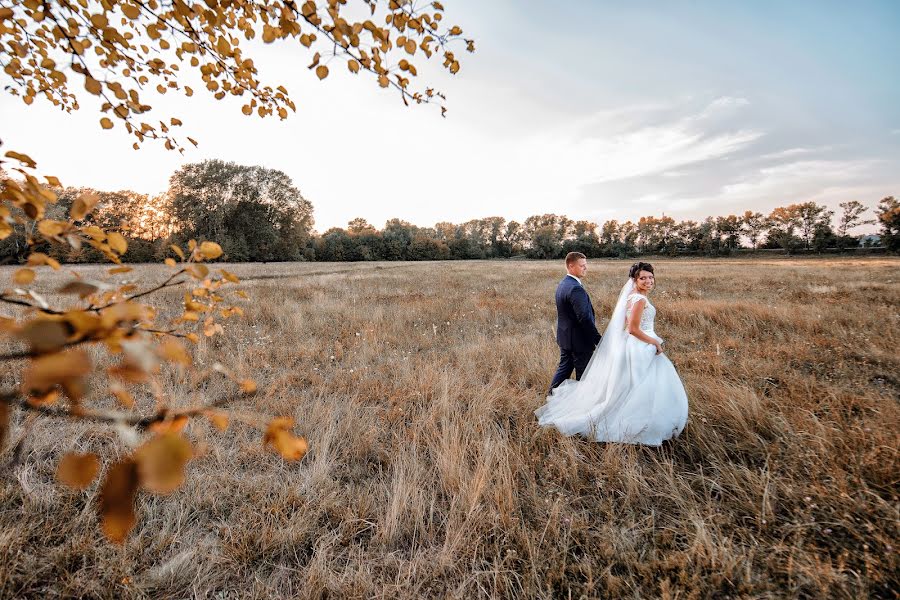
(630, 391)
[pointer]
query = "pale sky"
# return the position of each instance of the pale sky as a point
(592, 109)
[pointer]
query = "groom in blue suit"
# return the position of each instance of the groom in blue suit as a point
(576, 330)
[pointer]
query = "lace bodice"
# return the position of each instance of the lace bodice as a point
(649, 314)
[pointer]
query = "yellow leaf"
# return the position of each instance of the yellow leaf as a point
(193, 337)
(218, 419)
(82, 289)
(131, 11)
(161, 462)
(117, 500)
(248, 386)
(117, 242)
(118, 270)
(36, 259)
(78, 470)
(44, 335)
(410, 46)
(283, 441)
(106, 123)
(50, 228)
(353, 66)
(92, 85)
(22, 158)
(210, 251)
(121, 395)
(177, 251)
(174, 425)
(170, 262)
(322, 71)
(173, 351)
(65, 369)
(83, 204)
(23, 276)
(228, 276)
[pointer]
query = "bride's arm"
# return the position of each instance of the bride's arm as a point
(634, 325)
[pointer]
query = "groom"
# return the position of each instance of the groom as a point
(576, 331)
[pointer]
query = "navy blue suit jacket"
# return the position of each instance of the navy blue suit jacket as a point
(575, 326)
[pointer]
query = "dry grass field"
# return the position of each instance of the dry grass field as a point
(427, 476)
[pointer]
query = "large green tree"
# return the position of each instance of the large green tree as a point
(256, 213)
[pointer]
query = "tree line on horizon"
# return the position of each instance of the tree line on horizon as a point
(259, 215)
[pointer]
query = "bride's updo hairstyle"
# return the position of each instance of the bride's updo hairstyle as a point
(637, 267)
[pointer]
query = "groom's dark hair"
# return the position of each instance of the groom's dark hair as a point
(574, 256)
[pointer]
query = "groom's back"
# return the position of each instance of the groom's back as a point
(566, 320)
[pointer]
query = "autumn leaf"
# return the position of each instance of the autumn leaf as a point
(117, 500)
(248, 386)
(174, 424)
(82, 289)
(173, 351)
(117, 242)
(322, 71)
(78, 470)
(66, 369)
(218, 419)
(210, 251)
(228, 276)
(23, 276)
(44, 335)
(22, 158)
(36, 259)
(161, 462)
(83, 204)
(283, 441)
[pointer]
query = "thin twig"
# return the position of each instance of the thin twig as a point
(13, 398)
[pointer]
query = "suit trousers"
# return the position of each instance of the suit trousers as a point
(570, 360)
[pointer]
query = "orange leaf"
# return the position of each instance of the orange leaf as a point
(83, 204)
(65, 369)
(210, 250)
(23, 276)
(173, 351)
(161, 462)
(174, 425)
(218, 419)
(283, 441)
(117, 242)
(78, 470)
(117, 500)
(248, 386)
(44, 335)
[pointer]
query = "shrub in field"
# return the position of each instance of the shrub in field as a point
(116, 51)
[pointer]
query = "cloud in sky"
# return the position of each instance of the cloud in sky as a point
(614, 112)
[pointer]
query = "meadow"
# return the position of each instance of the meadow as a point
(427, 476)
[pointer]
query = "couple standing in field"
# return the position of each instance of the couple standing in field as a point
(625, 390)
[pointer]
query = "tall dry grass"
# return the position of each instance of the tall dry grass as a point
(427, 476)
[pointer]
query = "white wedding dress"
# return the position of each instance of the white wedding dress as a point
(628, 393)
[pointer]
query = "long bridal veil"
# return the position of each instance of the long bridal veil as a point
(577, 407)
